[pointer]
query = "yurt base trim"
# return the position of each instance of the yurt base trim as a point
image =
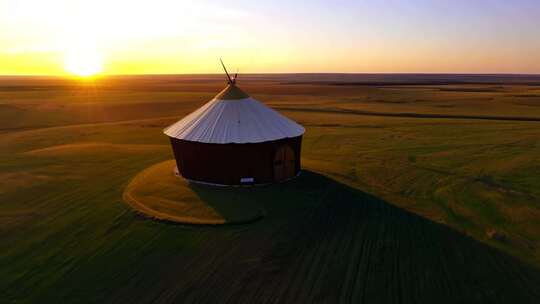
(176, 172)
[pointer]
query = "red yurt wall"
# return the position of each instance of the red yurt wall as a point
(235, 164)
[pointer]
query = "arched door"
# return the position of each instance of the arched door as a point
(284, 163)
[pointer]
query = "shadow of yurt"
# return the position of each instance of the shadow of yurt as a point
(322, 241)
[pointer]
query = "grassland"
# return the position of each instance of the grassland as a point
(159, 194)
(413, 193)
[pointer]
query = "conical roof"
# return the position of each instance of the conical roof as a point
(234, 117)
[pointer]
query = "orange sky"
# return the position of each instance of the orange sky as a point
(172, 36)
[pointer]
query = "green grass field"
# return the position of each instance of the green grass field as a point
(410, 194)
(158, 193)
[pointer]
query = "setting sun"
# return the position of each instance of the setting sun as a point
(83, 63)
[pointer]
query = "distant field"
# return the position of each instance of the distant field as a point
(417, 190)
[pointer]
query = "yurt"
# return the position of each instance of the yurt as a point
(236, 140)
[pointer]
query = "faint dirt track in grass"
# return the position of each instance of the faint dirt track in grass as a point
(31, 130)
(78, 148)
(410, 115)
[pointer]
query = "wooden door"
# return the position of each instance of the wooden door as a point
(284, 163)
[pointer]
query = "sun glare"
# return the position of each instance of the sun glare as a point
(83, 63)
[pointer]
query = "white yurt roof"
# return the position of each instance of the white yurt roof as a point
(234, 117)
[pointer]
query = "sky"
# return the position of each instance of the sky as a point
(62, 37)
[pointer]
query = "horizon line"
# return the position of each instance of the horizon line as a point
(281, 73)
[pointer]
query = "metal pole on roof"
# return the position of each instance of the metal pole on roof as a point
(227, 73)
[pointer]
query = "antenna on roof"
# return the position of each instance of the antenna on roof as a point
(230, 81)
(235, 76)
